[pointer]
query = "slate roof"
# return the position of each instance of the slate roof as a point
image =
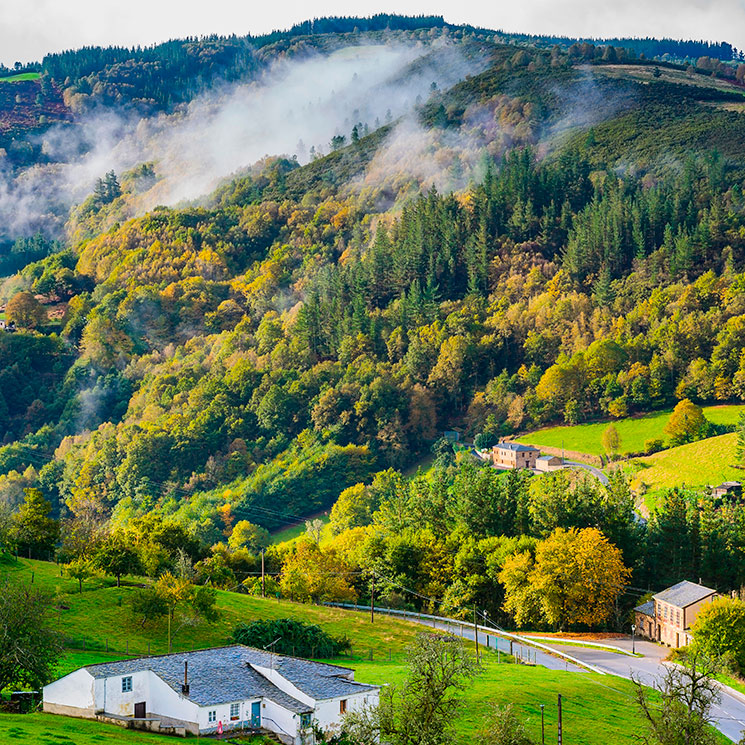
(684, 594)
(225, 674)
(729, 485)
(646, 608)
(516, 447)
(548, 457)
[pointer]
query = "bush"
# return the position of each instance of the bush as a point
(654, 445)
(295, 638)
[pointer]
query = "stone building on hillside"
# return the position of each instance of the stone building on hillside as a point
(669, 615)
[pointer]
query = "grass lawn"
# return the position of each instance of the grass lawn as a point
(595, 708)
(22, 76)
(49, 729)
(293, 532)
(101, 614)
(633, 431)
(695, 464)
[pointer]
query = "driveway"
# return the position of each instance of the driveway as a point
(728, 716)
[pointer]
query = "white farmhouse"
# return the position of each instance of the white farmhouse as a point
(238, 687)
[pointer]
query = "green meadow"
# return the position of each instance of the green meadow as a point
(697, 464)
(21, 76)
(633, 431)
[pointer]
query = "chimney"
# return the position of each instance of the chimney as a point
(185, 686)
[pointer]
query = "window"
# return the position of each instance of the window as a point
(235, 712)
(127, 684)
(343, 706)
(305, 721)
(212, 716)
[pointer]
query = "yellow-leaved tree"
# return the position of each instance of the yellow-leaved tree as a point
(310, 573)
(574, 578)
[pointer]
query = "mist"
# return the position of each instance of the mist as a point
(296, 104)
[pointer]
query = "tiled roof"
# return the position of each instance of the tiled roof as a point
(224, 674)
(646, 608)
(516, 447)
(684, 594)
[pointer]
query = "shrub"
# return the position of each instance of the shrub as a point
(653, 445)
(294, 638)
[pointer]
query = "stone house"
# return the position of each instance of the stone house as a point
(669, 615)
(514, 455)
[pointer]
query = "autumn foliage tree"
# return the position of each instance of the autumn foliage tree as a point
(311, 573)
(25, 310)
(687, 423)
(575, 578)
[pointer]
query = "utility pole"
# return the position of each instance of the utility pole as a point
(372, 599)
(263, 576)
(476, 633)
(561, 738)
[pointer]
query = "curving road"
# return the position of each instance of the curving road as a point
(728, 715)
(596, 472)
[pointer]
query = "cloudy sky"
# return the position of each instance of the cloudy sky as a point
(30, 28)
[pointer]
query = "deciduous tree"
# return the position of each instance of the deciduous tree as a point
(422, 710)
(688, 692)
(719, 631)
(32, 530)
(29, 649)
(25, 310)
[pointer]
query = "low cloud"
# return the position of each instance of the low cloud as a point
(227, 129)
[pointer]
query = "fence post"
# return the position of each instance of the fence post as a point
(107, 645)
(148, 649)
(371, 655)
(127, 646)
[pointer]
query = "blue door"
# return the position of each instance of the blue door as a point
(256, 714)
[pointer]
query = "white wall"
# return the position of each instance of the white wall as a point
(327, 712)
(75, 689)
(159, 697)
(223, 715)
(274, 716)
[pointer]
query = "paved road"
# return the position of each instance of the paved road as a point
(524, 652)
(596, 472)
(728, 715)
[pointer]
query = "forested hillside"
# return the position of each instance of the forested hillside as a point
(558, 237)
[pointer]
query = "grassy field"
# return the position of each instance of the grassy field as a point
(633, 431)
(695, 464)
(22, 76)
(48, 729)
(293, 532)
(101, 615)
